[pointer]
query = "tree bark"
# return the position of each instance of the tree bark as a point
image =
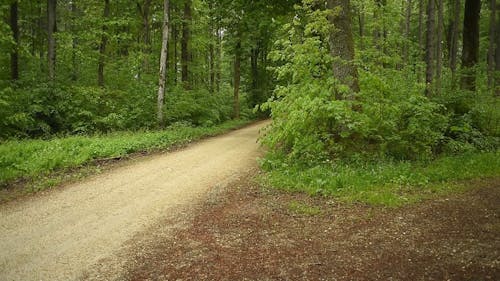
(491, 46)
(51, 29)
(454, 38)
(14, 55)
(163, 64)
(439, 49)
(497, 55)
(430, 49)
(237, 77)
(102, 46)
(421, 9)
(342, 46)
(406, 52)
(186, 25)
(361, 24)
(470, 51)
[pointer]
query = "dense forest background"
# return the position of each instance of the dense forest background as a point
(401, 79)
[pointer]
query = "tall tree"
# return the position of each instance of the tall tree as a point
(430, 48)
(342, 45)
(102, 46)
(470, 51)
(185, 52)
(492, 42)
(439, 49)
(14, 55)
(496, 77)
(237, 78)
(406, 50)
(144, 11)
(51, 29)
(163, 63)
(453, 45)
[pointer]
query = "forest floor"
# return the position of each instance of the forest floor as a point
(198, 214)
(251, 233)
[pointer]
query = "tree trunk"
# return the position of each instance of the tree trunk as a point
(163, 64)
(491, 47)
(439, 49)
(497, 56)
(361, 23)
(175, 36)
(14, 55)
(186, 25)
(406, 53)
(102, 46)
(470, 51)
(146, 34)
(454, 38)
(421, 9)
(430, 49)
(219, 60)
(51, 29)
(342, 46)
(237, 77)
(74, 42)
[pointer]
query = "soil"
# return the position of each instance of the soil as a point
(245, 232)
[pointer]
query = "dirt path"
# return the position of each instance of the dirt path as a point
(61, 235)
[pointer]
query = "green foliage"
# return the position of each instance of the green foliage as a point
(34, 158)
(380, 182)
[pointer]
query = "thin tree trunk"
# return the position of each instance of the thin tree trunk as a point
(454, 38)
(146, 34)
(175, 38)
(163, 64)
(430, 49)
(406, 54)
(470, 51)
(74, 43)
(237, 77)
(14, 55)
(497, 56)
(342, 46)
(219, 60)
(51, 29)
(439, 49)
(186, 25)
(361, 23)
(491, 47)
(421, 9)
(102, 46)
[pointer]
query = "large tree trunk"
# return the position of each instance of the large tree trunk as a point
(102, 46)
(14, 55)
(51, 29)
(439, 49)
(454, 26)
(185, 56)
(430, 48)
(491, 47)
(237, 77)
(342, 46)
(163, 64)
(470, 51)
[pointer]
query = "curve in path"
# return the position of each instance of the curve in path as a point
(59, 236)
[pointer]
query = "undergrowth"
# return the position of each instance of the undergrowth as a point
(32, 159)
(381, 183)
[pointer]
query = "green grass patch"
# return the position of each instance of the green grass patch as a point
(32, 159)
(384, 183)
(303, 209)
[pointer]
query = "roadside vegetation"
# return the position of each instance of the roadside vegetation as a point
(386, 133)
(35, 159)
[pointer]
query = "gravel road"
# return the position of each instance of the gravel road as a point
(61, 234)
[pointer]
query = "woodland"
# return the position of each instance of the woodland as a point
(361, 93)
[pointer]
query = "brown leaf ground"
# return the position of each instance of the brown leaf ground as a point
(247, 233)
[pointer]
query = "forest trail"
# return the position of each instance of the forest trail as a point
(58, 236)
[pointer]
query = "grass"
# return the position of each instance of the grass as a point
(36, 159)
(385, 183)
